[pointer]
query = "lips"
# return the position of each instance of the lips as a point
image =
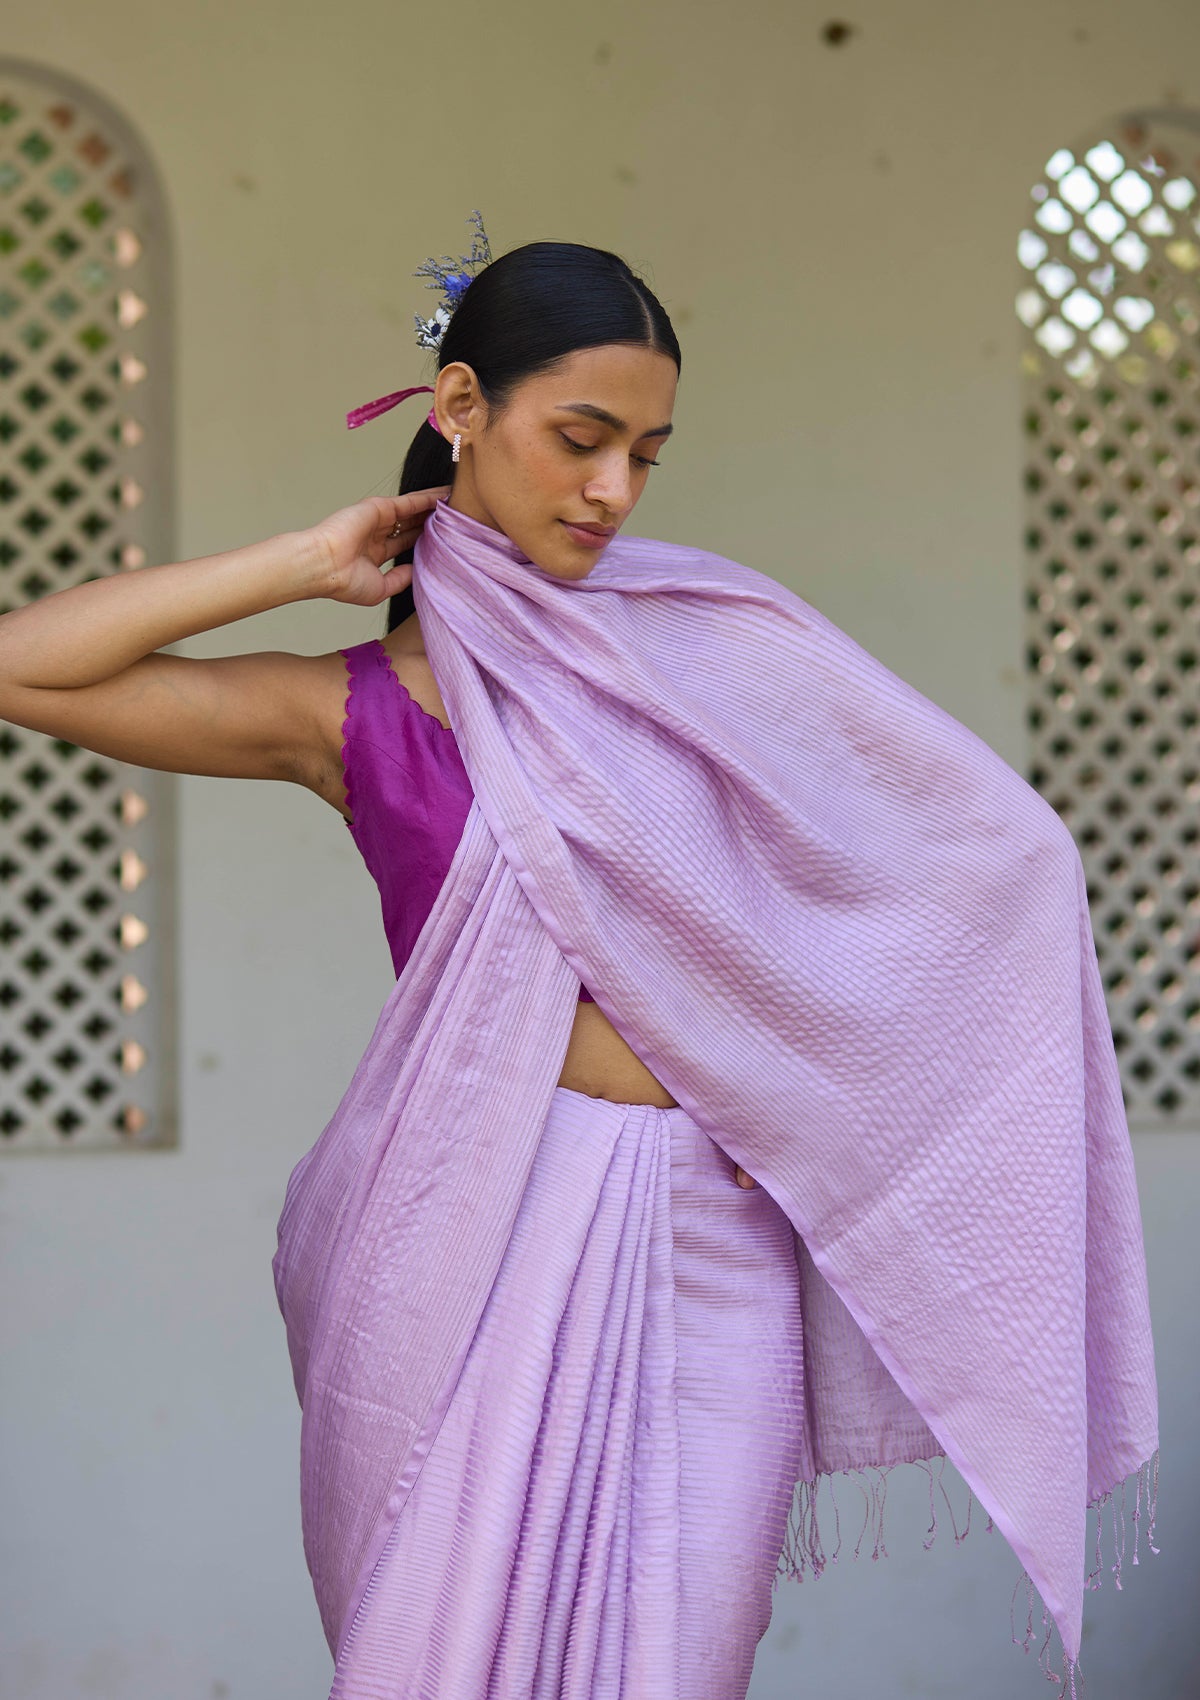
(596, 530)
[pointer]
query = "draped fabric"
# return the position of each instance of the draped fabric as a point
(600, 1514)
(855, 947)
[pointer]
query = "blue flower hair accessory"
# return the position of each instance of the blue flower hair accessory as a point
(453, 277)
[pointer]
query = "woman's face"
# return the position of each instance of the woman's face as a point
(572, 448)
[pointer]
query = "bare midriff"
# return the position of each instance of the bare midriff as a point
(598, 1061)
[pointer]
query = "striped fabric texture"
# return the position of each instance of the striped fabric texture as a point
(853, 944)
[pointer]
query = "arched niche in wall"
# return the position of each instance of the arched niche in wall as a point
(1109, 301)
(86, 844)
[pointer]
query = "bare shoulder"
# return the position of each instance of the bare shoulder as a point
(406, 638)
(410, 663)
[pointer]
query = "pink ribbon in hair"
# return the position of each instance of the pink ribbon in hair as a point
(372, 409)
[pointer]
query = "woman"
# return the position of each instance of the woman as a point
(562, 1362)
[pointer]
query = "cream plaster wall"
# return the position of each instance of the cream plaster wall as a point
(833, 230)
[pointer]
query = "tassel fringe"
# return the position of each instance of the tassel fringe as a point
(1112, 1515)
(804, 1551)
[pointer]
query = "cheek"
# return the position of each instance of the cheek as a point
(548, 473)
(515, 475)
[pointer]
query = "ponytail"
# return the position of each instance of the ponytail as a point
(427, 466)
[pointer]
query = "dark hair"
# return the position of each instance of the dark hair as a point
(523, 313)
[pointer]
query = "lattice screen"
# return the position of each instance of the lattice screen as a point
(1110, 301)
(85, 904)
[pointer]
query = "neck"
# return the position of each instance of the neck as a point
(465, 499)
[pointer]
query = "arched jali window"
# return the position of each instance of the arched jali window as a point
(1109, 298)
(86, 952)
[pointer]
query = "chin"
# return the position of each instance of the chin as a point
(564, 559)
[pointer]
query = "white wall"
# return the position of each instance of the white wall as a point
(833, 231)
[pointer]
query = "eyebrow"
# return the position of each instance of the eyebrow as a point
(589, 411)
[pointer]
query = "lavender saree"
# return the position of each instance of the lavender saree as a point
(855, 947)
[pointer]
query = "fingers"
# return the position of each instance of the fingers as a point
(743, 1179)
(402, 536)
(401, 519)
(394, 581)
(416, 502)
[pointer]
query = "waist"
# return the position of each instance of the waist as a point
(599, 1064)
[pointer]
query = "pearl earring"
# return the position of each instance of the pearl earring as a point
(455, 453)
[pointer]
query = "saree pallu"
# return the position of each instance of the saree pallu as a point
(851, 942)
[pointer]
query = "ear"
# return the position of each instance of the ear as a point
(457, 399)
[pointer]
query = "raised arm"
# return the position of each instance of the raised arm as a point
(83, 664)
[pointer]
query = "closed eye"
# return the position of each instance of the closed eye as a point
(589, 448)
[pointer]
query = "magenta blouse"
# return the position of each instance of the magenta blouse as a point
(408, 793)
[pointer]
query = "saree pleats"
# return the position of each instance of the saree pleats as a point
(602, 1509)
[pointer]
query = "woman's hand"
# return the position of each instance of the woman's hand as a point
(355, 542)
(743, 1179)
(88, 664)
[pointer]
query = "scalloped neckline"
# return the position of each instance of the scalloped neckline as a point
(420, 708)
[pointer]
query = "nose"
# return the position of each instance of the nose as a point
(611, 484)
